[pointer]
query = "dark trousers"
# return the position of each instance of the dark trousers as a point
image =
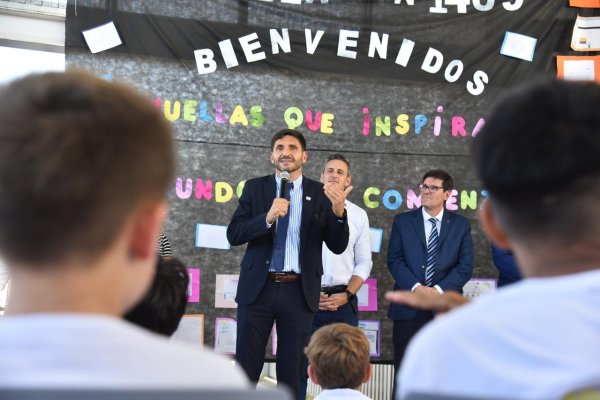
(343, 314)
(404, 330)
(284, 304)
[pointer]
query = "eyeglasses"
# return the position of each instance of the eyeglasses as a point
(431, 188)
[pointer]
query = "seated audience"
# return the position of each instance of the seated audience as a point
(164, 304)
(537, 155)
(339, 361)
(84, 168)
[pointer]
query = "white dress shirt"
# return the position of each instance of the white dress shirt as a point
(292, 242)
(534, 339)
(427, 225)
(338, 269)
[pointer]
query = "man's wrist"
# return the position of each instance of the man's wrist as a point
(350, 295)
(269, 224)
(340, 218)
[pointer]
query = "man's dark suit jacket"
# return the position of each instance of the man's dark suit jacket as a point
(318, 224)
(407, 255)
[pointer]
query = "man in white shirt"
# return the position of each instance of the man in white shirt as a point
(84, 168)
(538, 338)
(343, 274)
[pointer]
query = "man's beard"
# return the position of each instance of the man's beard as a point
(291, 166)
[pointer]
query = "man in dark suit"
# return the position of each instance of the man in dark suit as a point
(425, 260)
(280, 277)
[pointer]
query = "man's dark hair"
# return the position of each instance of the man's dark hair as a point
(288, 132)
(447, 181)
(537, 156)
(78, 154)
(164, 304)
(337, 157)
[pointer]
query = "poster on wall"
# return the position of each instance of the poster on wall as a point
(190, 330)
(225, 290)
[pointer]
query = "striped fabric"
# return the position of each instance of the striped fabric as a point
(163, 246)
(278, 256)
(432, 245)
(292, 243)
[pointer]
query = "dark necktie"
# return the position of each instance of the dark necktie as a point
(432, 245)
(278, 259)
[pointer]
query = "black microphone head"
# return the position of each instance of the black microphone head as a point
(284, 175)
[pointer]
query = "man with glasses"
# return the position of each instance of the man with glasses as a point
(430, 251)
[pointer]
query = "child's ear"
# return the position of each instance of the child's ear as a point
(313, 376)
(368, 373)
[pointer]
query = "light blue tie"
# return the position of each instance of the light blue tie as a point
(278, 258)
(432, 245)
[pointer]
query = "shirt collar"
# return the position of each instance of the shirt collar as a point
(426, 216)
(295, 183)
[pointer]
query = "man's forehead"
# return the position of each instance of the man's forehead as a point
(336, 164)
(433, 181)
(287, 140)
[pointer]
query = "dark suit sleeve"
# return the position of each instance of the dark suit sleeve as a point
(243, 226)
(404, 277)
(505, 263)
(337, 232)
(462, 271)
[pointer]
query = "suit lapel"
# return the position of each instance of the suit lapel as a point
(269, 189)
(417, 221)
(447, 221)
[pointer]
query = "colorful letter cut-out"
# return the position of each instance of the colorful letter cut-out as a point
(194, 285)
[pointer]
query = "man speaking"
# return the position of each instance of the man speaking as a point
(280, 277)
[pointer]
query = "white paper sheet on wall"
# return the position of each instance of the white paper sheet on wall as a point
(212, 236)
(225, 335)
(102, 37)
(190, 330)
(518, 46)
(225, 290)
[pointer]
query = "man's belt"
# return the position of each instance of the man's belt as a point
(329, 290)
(284, 277)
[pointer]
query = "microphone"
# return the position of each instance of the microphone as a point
(285, 176)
